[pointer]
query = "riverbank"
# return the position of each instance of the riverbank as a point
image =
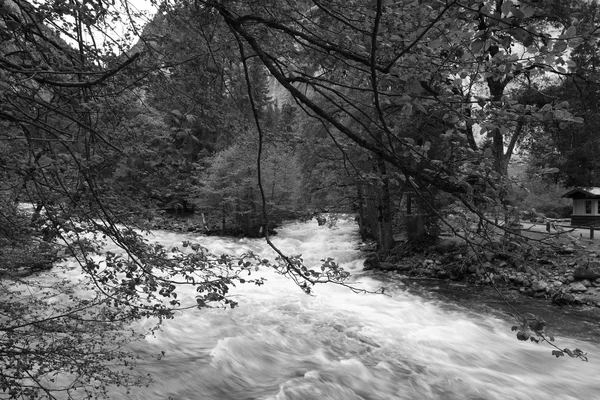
(564, 270)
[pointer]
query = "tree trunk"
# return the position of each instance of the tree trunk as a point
(385, 238)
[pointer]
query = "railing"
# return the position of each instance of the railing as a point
(591, 226)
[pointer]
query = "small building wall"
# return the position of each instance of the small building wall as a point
(586, 206)
(579, 207)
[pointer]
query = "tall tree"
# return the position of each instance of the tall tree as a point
(353, 64)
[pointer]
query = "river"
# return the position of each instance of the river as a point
(281, 344)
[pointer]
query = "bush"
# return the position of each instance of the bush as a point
(545, 199)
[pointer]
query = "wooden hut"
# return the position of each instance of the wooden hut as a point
(586, 206)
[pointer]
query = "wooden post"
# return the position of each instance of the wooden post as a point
(591, 232)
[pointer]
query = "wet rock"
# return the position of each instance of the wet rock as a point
(371, 263)
(578, 288)
(442, 274)
(526, 291)
(386, 266)
(405, 267)
(562, 298)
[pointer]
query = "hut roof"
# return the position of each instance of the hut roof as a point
(590, 192)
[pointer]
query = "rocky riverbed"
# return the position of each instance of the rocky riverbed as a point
(565, 272)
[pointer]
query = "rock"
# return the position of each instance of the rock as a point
(571, 278)
(403, 267)
(566, 250)
(529, 270)
(588, 271)
(446, 246)
(526, 283)
(586, 282)
(539, 286)
(386, 266)
(578, 288)
(557, 284)
(442, 274)
(519, 279)
(371, 263)
(526, 291)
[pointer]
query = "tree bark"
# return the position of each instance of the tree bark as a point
(385, 238)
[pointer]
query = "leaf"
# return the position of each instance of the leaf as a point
(477, 45)
(569, 352)
(557, 353)
(506, 8)
(571, 31)
(176, 113)
(514, 328)
(527, 10)
(12, 25)
(560, 46)
(522, 335)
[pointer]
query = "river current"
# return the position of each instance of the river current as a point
(281, 344)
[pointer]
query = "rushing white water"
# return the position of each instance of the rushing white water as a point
(282, 344)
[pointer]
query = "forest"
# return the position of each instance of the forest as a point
(420, 117)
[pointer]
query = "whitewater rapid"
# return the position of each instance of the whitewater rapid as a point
(281, 344)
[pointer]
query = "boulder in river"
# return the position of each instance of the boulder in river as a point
(589, 271)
